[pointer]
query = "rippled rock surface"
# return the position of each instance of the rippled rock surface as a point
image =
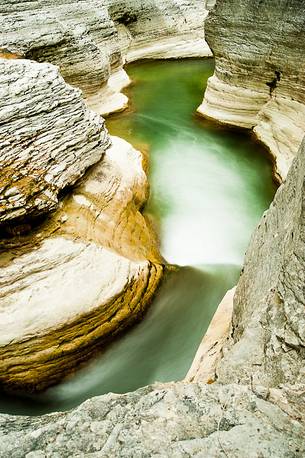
(48, 138)
(79, 279)
(259, 76)
(77, 276)
(89, 40)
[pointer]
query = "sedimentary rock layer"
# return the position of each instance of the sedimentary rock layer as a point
(260, 73)
(159, 29)
(90, 40)
(78, 36)
(79, 279)
(48, 138)
(210, 351)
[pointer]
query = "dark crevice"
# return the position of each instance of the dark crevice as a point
(274, 82)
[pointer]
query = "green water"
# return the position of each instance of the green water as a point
(209, 187)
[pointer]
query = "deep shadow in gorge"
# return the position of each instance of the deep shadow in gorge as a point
(209, 187)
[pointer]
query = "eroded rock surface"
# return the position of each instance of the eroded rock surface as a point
(260, 73)
(255, 408)
(179, 420)
(268, 335)
(48, 138)
(80, 278)
(90, 40)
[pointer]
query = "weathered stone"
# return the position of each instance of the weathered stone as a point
(210, 351)
(78, 36)
(256, 406)
(75, 282)
(170, 420)
(259, 74)
(90, 39)
(48, 138)
(268, 335)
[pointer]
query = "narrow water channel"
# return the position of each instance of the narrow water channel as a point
(209, 187)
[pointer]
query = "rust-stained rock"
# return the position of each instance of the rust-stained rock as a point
(91, 272)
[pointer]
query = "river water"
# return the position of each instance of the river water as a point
(209, 187)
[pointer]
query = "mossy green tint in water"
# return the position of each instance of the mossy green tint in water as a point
(209, 187)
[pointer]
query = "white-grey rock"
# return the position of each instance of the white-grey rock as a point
(268, 334)
(90, 39)
(79, 279)
(170, 420)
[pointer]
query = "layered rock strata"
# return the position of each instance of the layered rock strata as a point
(90, 40)
(78, 36)
(48, 138)
(158, 29)
(267, 346)
(80, 278)
(72, 279)
(259, 77)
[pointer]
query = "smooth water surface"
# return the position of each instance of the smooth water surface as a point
(209, 187)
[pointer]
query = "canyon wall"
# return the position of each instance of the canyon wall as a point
(94, 236)
(48, 139)
(267, 344)
(259, 75)
(256, 406)
(76, 267)
(90, 40)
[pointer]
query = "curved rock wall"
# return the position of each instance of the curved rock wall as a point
(255, 408)
(89, 40)
(158, 29)
(268, 333)
(78, 36)
(260, 72)
(79, 279)
(71, 281)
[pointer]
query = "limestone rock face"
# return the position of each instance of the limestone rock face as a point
(72, 281)
(255, 408)
(80, 278)
(78, 36)
(177, 420)
(260, 73)
(159, 29)
(268, 334)
(89, 40)
(48, 138)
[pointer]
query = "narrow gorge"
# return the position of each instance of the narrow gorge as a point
(144, 217)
